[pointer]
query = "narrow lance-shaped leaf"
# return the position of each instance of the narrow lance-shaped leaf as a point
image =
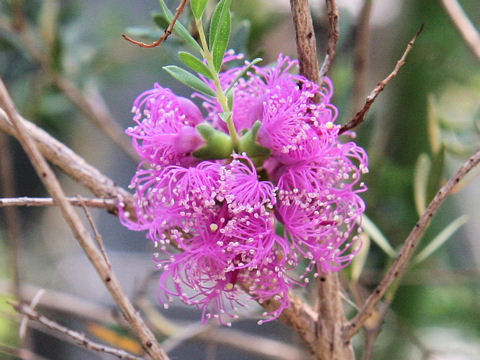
(221, 33)
(180, 29)
(440, 239)
(420, 182)
(189, 79)
(433, 128)
(376, 235)
(160, 20)
(360, 259)
(242, 73)
(214, 21)
(198, 7)
(195, 64)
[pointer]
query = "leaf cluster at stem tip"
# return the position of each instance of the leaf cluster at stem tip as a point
(212, 52)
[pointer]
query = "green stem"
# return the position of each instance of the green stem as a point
(221, 97)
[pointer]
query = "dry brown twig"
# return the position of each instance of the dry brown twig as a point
(70, 163)
(360, 116)
(305, 39)
(166, 34)
(71, 335)
(360, 53)
(463, 25)
(398, 268)
(98, 237)
(108, 204)
(20, 353)
(324, 333)
(333, 34)
(300, 316)
(80, 233)
(66, 303)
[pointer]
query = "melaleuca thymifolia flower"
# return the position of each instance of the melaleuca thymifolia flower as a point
(245, 219)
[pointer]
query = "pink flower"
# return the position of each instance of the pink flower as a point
(238, 226)
(165, 131)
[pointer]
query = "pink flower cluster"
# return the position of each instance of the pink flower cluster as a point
(240, 226)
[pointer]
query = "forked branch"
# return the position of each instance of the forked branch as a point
(49, 179)
(398, 268)
(166, 34)
(360, 116)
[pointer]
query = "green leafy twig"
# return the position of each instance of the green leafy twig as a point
(166, 34)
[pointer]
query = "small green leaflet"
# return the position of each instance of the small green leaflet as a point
(195, 64)
(180, 29)
(198, 7)
(189, 79)
(376, 235)
(160, 20)
(440, 239)
(225, 115)
(219, 33)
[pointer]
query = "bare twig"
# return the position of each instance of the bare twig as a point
(71, 163)
(73, 336)
(51, 182)
(361, 50)
(22, 330)
(28, 201)
(333, 32)
(20, 353)
(166, 34)
(98, 237)
(360, 116)
(300, 316)
(325, 337)
(66, 303)
(398, 268)
(463, 25)
(305, 38)
(177, 334)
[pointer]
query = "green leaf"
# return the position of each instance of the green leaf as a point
(189, 79)
(243, 72)
(440, 239)
(376, 235)
(160, 20)
(248, 143)
(360, 259)
(229, 94)
(219, 35)
(218, 145)
(198, 7)
(225, 115)
(180, 29)
(195, 64)
(433, 127)
(420, 182)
